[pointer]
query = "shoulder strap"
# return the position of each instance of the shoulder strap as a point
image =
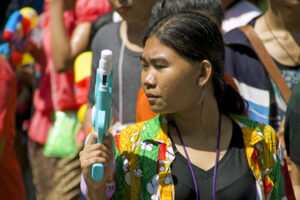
(267, 61)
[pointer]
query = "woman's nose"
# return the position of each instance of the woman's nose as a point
(149, 79)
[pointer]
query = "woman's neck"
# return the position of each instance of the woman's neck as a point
(280, 33)
(199, 128)
(284, 18)
(202, 120)
(133, 34)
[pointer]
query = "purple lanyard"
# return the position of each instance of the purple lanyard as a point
(216, 163)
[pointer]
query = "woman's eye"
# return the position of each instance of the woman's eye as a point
(145, 65)
(160, 66)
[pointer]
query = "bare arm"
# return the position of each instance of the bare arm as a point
(65, 50)
(295, 176)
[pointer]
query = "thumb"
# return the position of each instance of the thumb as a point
(92, 138)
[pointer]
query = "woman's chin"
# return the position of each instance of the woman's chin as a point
(157, 110)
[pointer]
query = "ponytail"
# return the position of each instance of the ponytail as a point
(231, 102)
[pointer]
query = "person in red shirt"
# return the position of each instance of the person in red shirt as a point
(11, 185)
(58, 177)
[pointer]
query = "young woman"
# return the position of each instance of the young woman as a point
(199, 147)
(212, 9)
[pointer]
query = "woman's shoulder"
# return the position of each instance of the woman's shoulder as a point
(265, 157)
(128, 138)
(255, 132)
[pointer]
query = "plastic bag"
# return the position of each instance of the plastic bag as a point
(61, 141)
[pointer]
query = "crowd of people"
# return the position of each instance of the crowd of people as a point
(204, 100)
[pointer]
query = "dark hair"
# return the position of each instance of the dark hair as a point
(195, 37)
(211, 8)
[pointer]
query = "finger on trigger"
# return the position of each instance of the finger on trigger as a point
(108, 140)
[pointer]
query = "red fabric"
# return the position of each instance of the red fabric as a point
(289, 191)
(8, 97)
(92, 10)
(16, 58)
(82, 91)
(117, 139)
(80, 136)
(62, 84)
(40, 125)
(267, 186)
(11, 184)
(162, 151)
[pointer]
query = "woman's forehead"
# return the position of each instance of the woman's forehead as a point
(157, 52)
(155, 48)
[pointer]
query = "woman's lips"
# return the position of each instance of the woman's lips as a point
(152, 97)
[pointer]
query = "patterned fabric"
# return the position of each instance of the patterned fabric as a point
(145, 155)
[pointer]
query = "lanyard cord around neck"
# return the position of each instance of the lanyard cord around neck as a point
(216, 162)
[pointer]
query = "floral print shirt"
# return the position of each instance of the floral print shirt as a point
(144, 156)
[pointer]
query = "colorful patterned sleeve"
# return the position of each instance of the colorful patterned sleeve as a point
(121, 165)
(266, 160)
(276, 179)
(289, 191)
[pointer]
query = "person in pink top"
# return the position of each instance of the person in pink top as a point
(65, 21)
(11, 185)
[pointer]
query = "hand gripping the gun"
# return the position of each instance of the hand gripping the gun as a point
(94, 152)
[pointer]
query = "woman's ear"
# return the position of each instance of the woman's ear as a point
(205, 68)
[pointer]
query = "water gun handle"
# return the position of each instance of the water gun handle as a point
(101, 126)
(101, 113)
(97, 169)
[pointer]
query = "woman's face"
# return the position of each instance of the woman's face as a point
(133, 10)
(170, 82)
